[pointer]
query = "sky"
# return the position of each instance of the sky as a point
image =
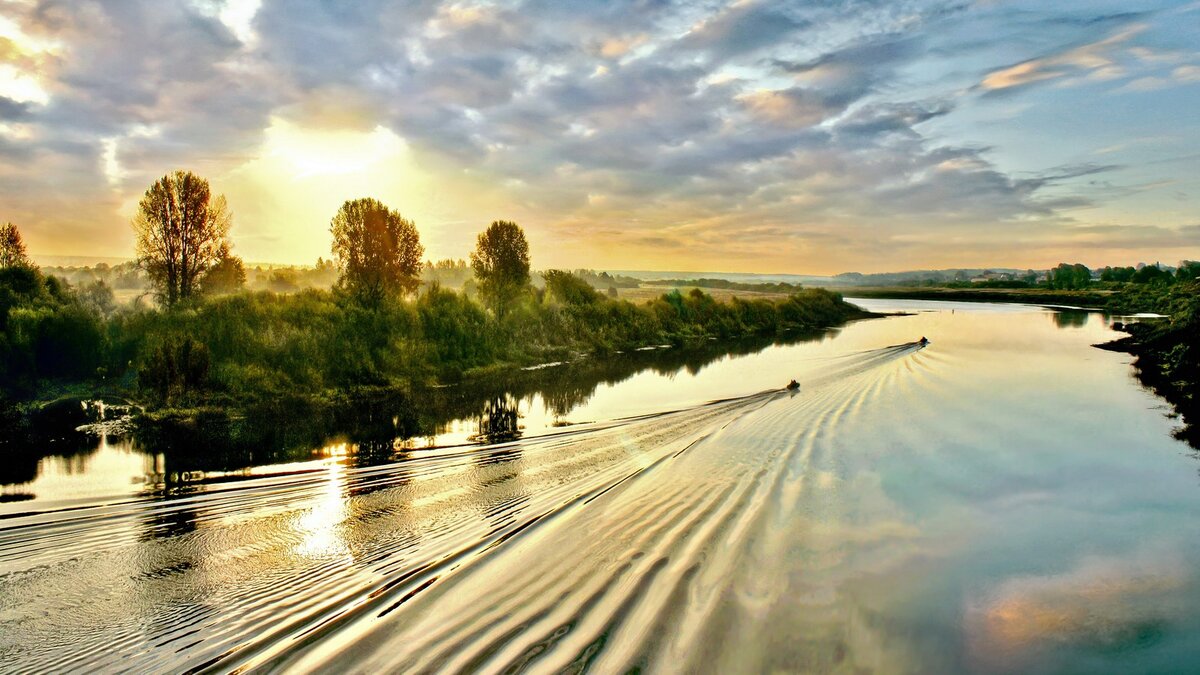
(778, 137)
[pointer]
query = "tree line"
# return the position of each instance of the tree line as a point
(182, 242)
(378, 326)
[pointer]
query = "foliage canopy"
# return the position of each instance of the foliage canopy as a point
(501, 264)
(12, 248)
(377, 251)
(181, 232)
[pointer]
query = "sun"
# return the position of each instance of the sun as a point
(313, 152)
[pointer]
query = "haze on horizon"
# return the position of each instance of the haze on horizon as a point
(803, 137)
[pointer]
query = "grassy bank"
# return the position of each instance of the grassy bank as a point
(317, 347)
(1167, 350)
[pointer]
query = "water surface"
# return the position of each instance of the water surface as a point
(1006, 499)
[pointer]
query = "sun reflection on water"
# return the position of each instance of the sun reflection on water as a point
(320, 526)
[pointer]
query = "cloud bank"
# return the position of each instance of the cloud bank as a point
(767, 136)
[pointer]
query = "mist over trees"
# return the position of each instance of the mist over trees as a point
(226, 275)
(377, 251)
(569, 288)
(181, 232)
(501, 264)
(293, 330)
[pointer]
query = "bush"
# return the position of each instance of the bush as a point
(176, 368)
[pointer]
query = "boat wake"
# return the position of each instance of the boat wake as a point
(671, 538)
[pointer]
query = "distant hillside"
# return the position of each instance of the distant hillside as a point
(917, 277)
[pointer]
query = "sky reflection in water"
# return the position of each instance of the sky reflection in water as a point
(1005, 499)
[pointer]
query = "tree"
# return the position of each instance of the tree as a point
(1117, 274)
(97, 296)
(1151, 274)
(377, 251)
(1067, 276)
(226, 275)
(569, 288)
(181, 232)
(501, 264)
(12, 249)
(1188, 270)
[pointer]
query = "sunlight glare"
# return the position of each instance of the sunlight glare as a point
(312, 152)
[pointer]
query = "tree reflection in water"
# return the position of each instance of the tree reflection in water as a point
(377, 425)
(499, 421)
(1070, 318)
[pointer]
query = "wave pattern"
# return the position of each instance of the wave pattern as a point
(635, 543)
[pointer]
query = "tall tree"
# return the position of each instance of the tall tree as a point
(377, 251)
(181, 232)
(501, 264)
(12, 249)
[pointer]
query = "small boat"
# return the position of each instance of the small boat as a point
(923, 341)
(793, 385)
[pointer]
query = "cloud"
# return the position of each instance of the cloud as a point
(793, 107)
(892, 117)
(1187, 73)
(760, 131)
(1093, 60)
(740, 28)
(13, 110)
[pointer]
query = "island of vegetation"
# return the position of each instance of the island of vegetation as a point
(206, 342)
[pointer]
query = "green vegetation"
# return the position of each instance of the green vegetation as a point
(181, 232)
(12, 248)
(1064, 277)
(47, 331)
(1168, 351)
(606, 280)
(1118, 289)
(725, 284)
(227, 275)
(211, 344)
(1092, 298)
(252, 347)
(1070, 277)
(501, 264)
(377, 251)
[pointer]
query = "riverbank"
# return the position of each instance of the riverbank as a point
(1168, 363)
(381, 424)
(1168, 360)
(1090, 299)
(318, 352)
(1167, 349)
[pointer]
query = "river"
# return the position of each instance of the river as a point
(1003, 499)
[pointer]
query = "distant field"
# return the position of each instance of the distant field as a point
(646, 292)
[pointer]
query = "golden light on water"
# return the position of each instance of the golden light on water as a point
(320, 525)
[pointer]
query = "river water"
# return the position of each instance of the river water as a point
(1004, 499)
